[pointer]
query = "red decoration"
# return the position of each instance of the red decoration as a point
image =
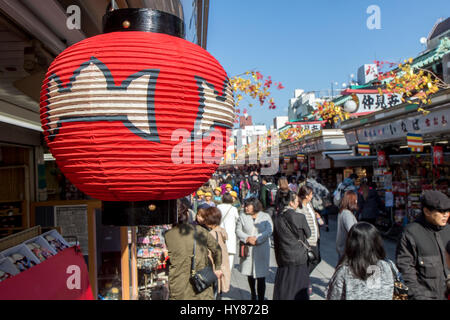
(381, 156)
(312, 163)
(296, 165)
(53, 279)
(110, 108)
(438, 155)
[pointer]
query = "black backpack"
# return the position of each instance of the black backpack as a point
(271, 195)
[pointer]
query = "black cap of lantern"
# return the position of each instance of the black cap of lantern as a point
(143, 19)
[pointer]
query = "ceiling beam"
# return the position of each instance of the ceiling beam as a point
(26, 19)
(54, 16)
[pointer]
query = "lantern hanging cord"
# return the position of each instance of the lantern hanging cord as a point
(112, 6)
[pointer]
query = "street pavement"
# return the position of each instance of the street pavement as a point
(320, 277)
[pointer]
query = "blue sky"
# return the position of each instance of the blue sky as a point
(308, 44)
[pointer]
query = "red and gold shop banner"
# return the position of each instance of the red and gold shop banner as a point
(296, 165)
(287, 159)
(312, 163)
(135, 116)
(381, 156)
(438, 155)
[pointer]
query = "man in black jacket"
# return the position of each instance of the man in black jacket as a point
(421, 256)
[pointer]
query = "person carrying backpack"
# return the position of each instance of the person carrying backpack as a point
(282, 196)
(268, 194)
(347, 185)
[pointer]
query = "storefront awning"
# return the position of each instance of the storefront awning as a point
(345, 160)
(346, 157)
(342, 152)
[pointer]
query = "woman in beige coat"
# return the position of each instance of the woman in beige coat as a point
(210, 218)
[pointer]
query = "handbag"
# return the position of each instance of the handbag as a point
(243, 249)
(310, 252)
(400, 288)
(204, 278)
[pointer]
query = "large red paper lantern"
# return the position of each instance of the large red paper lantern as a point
(115, 109)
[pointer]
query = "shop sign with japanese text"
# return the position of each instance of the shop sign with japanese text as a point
(376, 102)
(433, 123)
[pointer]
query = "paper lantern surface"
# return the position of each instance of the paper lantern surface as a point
(135, 116)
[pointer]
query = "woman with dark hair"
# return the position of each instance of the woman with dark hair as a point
(290, 230)
(211, 220)
(369, 204)
(282, 197)
(244, 187)
(254, 228)
(305, 195)
(180, 245)
(293, 186)
(362, 272)
(346, 219)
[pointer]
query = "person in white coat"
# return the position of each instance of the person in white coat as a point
(229, 220)
(254, 228)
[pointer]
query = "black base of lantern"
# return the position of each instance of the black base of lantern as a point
(144, 19)
(139, 213)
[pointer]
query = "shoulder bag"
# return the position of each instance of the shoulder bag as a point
(400, 289)
(310, 252)
(204, 278)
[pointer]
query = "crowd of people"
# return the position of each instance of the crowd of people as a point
(244, 214)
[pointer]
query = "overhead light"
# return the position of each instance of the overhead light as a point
(443, 142)
(426, 144)
(403, 147)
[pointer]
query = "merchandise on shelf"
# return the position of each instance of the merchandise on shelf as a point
(399, 189)
(56, 243)
(152, 257)
(40, 252)
(5, 275)
(21, 262)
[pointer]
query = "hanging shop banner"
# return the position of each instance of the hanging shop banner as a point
(438, 155)
(381, 156)
(415, 142)
(301, 157)
(296, 165)
(312, 163)
(61, 277)
(435, 122)
(364, 149)
(287, 159)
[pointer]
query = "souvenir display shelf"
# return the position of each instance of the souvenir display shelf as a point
(13, 216)
(27, 252)
(400, 201)
(152, 257)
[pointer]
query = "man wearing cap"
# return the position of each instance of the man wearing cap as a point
(421, 250)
